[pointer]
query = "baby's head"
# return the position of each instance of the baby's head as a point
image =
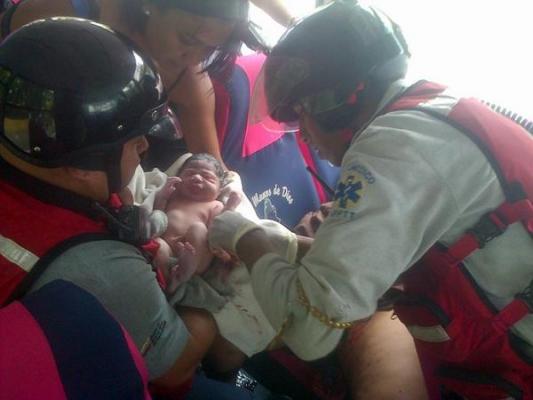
(202, 176)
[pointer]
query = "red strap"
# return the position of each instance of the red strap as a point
(521, 210)
(492, 225)
(465, 246)
(510, 315)
(114, 201)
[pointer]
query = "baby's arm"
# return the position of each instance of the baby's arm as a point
(162, 196)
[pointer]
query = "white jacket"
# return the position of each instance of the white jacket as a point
(408, 181)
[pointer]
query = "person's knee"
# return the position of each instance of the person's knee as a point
(224, 357)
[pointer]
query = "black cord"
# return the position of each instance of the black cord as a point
(322, 182)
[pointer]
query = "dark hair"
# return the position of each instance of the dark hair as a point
(217, 165)
(219, 64)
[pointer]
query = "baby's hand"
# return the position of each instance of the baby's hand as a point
(170, 186)
(162, 196)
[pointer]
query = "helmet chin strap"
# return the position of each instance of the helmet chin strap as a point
(126, 222)
(113, 169)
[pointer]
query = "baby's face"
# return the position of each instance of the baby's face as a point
(200, 181)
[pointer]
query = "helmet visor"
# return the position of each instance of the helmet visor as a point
(27, 115)
(273, 99)
(161, 123)
(157, 122)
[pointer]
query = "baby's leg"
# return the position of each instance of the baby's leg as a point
(197, 236)
(163, 258)
(176, 261)
(184, 266)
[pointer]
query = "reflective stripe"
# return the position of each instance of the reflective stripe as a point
(17, 254)
(442, 104)
(431, 334)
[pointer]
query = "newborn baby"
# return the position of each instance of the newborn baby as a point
(190, 202)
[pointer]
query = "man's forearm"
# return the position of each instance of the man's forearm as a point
(255, 244)
(277, 11)
(203, 330)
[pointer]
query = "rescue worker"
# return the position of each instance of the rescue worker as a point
(434, 206)
(77, 102)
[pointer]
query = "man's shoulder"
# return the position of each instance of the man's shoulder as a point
(98, 265)
(98, 253)
(104, 246)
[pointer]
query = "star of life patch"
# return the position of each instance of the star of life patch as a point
(349, 190)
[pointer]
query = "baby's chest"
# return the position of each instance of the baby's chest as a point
(182, 218)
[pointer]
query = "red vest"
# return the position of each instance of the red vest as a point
(29, 229)
(464, 343)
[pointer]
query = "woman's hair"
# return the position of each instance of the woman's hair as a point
(220, 62)
(217, 165)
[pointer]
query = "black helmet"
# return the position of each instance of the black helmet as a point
(328, 62)
(72, 92)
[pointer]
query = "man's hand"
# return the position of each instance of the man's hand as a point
(227, 229)
(311, 221)
(282, 241)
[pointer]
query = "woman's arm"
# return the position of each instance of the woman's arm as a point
(195, 99)
(202, 329)
(31, 10)
(277, 11)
